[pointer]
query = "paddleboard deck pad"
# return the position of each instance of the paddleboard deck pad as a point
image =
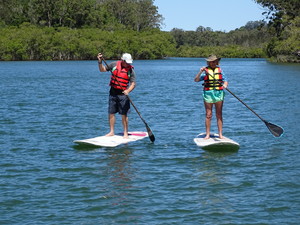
(214, 143)
(113, 141)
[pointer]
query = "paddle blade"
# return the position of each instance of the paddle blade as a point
(151, 135)
(277, 131)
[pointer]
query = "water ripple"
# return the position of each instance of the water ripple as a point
(46, 179)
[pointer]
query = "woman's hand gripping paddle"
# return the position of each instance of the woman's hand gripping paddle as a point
(150, 133)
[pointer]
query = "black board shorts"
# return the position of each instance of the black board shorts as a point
(118, 104)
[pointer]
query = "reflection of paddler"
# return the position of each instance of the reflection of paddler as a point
(213, 93)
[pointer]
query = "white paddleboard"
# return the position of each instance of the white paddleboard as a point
(113, 141)
(214, 143)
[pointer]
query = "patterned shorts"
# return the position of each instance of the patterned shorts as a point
(213, 96)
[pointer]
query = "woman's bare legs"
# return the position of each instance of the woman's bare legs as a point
(208, 112)
(219, 110)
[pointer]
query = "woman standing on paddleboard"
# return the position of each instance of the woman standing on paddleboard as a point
(213, 93)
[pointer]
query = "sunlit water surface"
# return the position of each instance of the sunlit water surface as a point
(47, 179)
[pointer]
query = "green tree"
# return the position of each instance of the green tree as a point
(284, 20)
(14, 12)
(55, 13)
(280, 12)
(146, 16)
(134, 14)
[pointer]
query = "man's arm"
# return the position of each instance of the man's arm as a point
(102, 68)
(130, 89)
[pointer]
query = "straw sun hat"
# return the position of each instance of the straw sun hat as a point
(212, 58)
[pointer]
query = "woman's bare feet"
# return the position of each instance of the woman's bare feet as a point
(110, 134)
(207, 137)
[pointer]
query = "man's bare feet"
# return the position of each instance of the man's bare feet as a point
(221, 136)
(126, 136)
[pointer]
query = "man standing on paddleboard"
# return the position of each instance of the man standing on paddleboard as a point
(213, 93)
(122, 82)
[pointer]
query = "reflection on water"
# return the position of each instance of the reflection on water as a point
(214, 177)
(217, 154)
(120, 173)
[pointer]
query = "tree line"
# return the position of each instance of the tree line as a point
(28, 42)
(103, 14)
(79, 29)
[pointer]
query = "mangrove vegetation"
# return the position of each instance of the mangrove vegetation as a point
(79, 29)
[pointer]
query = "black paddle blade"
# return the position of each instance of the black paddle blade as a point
(277, 131)
(151, 135)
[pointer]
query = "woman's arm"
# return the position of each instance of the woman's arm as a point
(198, 75)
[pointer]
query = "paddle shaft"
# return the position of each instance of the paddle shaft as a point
(151, 135)
(244, 104)
(274, 129)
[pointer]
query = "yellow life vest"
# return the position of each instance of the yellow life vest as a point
(213, 79)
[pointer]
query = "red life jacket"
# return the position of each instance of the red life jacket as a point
(121, 76)
(213, 79)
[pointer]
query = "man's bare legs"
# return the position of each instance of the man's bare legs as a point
(112, 121)
(125, 125)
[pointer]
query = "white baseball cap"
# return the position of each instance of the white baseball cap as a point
(127, 58)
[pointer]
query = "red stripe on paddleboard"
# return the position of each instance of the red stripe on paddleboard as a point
(138, 134)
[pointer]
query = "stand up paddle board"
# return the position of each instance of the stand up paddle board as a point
(113, 141)
(214, 143)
